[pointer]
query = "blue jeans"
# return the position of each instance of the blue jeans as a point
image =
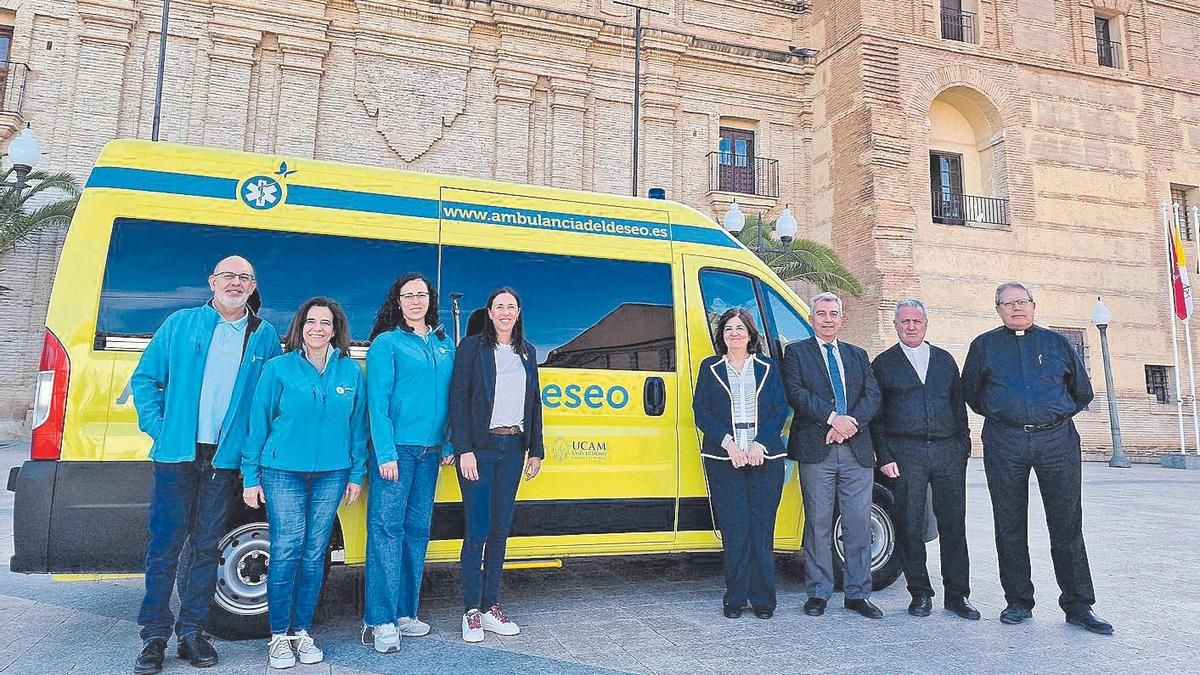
(189, 503)
(301, 506)
(399, 514)
(488, 505)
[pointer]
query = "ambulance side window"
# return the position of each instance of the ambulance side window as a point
(723, 291)
(579, 312)
(155, 268)
(787, 326)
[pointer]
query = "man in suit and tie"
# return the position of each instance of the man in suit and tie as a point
(833, 392)
(922, 439)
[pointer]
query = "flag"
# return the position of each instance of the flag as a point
(1181, 285)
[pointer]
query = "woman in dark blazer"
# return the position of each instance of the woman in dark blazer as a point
(741, 408)
(495, 421)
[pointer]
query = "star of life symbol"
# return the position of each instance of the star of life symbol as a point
(261, 192)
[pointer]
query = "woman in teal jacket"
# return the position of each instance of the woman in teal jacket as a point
(306, 452)
(408, 390)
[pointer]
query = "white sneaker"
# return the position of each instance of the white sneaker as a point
(385, 637)
(496, 621)
(473, 626)
(410, 627)
(306, 650)
(279, 652)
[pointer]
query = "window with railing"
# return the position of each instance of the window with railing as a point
(735, 168)
(1108, 50)
(1158, 381)
(1179, 197)
(957, 23)
(950, 205)
(1078, 339)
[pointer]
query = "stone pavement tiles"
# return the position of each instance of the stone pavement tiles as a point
(662, 614)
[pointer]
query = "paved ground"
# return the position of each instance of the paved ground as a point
(662, 615)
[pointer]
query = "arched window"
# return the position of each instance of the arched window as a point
(967, 163)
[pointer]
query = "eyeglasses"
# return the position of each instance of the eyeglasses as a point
(413, 296)
(229, 277)
(1015, 304)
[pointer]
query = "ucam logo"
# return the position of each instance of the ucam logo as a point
(591, 396)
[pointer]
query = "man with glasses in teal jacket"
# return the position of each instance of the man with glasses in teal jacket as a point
(192, 389)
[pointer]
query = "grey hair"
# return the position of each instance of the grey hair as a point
(826, 297)
(1012, 284)
(910, 302)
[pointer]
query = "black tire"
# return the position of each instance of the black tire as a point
(885, 558)
(239, 606)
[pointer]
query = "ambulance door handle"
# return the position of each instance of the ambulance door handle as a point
(654, 396)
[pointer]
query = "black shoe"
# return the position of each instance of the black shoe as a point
(198, 651)
(150, 659)
(921, 605)
(814, 606)
(1087, 619)
(763, 612)
(961, 607)
(1014, 614)
(732, 612)
(864, 607)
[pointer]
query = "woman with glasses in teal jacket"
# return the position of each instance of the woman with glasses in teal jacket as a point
(408, 393)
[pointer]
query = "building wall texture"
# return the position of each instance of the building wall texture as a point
(540, 91)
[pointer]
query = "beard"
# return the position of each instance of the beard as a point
(234, 301)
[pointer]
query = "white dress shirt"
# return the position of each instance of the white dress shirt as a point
(918, 357)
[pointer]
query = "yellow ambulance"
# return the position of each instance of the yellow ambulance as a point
(619, 296)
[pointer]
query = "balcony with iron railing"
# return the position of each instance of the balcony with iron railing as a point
(12, 96)
(1109, 53)
(743, 174)
(951, 208)
(958, 25)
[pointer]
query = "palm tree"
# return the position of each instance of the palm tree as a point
(800, 259)
(18, 220)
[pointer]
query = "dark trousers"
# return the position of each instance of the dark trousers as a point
(1008, 455)
(189, 503)
(745, 501)
(488, 505)
(942, 466)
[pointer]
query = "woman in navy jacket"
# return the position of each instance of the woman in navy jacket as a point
(495, 420)
(741, 408)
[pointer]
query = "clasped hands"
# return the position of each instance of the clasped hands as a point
(752, 456)
(842, 428)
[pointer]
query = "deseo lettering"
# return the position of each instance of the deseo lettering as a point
(592, 396)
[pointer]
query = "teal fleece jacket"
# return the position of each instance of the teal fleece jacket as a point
(408, 390)
(302, 420)
(166, 385)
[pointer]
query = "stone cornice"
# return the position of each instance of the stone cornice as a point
(233, 42)
(107, 21)
(514, 85)
(303, 53)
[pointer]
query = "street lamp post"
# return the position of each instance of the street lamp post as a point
(637, 80)
(24, 152)
(785, 227)
(1101, 316)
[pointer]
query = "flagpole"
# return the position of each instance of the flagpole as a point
(1187, 332)
(1171, 272)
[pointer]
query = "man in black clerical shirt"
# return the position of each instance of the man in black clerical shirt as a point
(1028, 382)
(922, 440)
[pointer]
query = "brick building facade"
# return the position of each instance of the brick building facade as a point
(939, 145)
